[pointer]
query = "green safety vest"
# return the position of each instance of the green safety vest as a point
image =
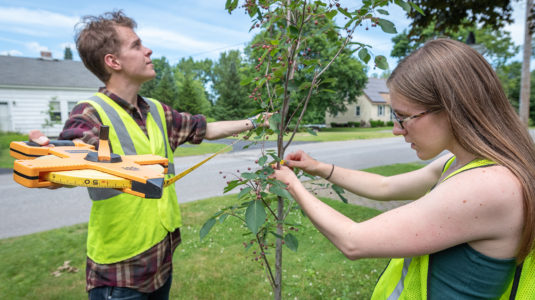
(122, 225)
(406, 278)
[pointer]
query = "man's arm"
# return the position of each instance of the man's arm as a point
(221, 129)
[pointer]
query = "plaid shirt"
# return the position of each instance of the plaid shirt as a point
(149, 270)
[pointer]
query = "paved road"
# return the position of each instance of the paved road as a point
(25, 211)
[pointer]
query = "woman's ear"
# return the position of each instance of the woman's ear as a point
(112, 62)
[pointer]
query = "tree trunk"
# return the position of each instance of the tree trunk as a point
(526, 78)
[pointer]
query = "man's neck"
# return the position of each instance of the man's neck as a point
(126, 90)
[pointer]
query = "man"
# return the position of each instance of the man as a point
(131, 240)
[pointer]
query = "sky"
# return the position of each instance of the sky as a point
(174, 29)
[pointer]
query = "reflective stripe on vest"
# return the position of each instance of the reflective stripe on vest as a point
(399, 287)
(124, 225)
(120, 132)
(407, 278)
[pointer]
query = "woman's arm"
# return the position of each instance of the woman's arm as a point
(407, 186)
(481, 206)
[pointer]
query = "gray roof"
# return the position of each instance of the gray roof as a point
(375, 89)
(37, 72)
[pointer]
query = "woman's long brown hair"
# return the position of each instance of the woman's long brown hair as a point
(450, 75)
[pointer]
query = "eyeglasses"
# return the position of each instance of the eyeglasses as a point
(418, 115)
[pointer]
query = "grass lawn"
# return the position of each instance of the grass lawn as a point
(338, 134)
(202, 148)
(6, 161)
(216, 268)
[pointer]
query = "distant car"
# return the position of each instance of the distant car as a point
(315, 127)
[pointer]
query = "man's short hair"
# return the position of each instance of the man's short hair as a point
(96, 36)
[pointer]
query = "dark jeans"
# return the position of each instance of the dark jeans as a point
(123, 293)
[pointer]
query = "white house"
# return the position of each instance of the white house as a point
(373, 104)
(36, 92)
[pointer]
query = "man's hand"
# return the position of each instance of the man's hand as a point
(264, 119)
(38, 137)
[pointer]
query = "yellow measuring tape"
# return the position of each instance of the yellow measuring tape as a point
(98, 179)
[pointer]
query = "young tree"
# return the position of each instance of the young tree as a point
(347, 73)
(281, 62)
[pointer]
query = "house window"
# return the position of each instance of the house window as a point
(380, 110)
(71, 105)
(357, 110)
(54, 111)
(4, 117)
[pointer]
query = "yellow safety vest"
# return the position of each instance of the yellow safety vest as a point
(122, 225)
(406, 278)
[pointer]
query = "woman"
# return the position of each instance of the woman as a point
(473, 219)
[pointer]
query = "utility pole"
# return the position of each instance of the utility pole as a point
(526, 76)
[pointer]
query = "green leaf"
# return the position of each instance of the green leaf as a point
(364, 55)
(291, 242)
(387, 26)
(207, 227)
(274, 122)
(231, 185)
(274, 42)
(244, 192)
(223, 218)
(406, 7)
(312, 132)
(231, 5)
(331, 14)
(277, 190)
(329, 80)
(294, 32)
(344, 12)
(277, 235)
(418, 9)
(262, 160)
(383, 12)
(339, 191)
(246, 81)
(305, 85)
(381, 63)
(255, 216)
(248, 175)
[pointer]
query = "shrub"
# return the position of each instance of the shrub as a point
(377, 123)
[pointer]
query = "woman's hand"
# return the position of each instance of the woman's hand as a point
(303, 161)
(286, 175)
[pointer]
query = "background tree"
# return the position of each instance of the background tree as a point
(198, 70)
(67, 54)
(525, 85)
(191, 95)
(232, 99)
(452, 14)
(162, 87)
(499, 47)
(448, 15)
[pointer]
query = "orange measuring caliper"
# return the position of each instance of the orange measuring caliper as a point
(71, 163)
